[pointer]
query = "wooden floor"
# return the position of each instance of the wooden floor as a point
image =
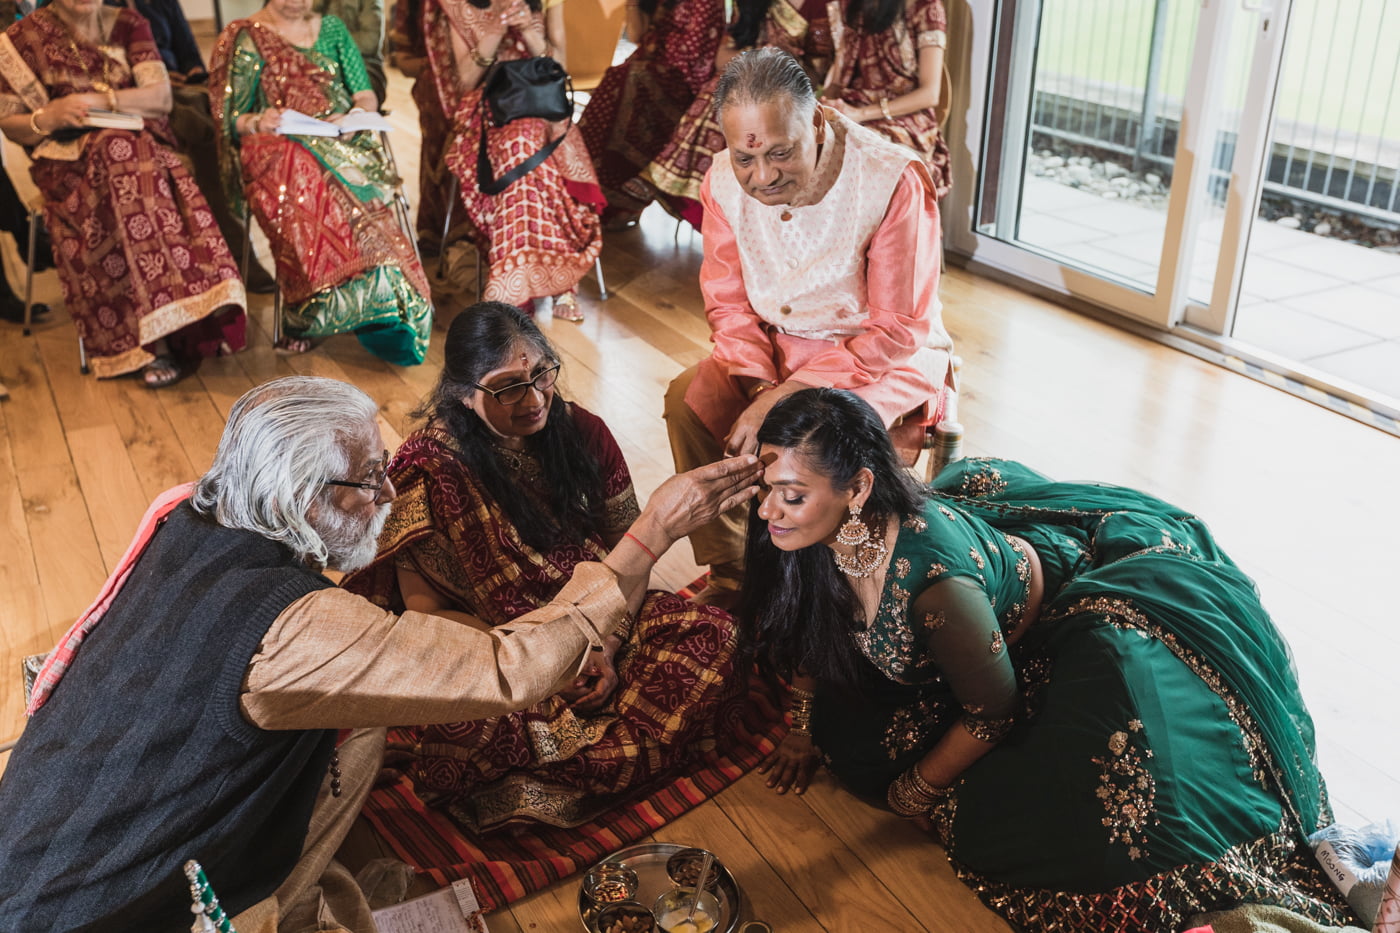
(1305, 500)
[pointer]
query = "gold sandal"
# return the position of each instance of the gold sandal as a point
(566, 308)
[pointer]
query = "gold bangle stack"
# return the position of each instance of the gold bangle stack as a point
(34, 122)
(481, 60)
(803, 701)
(885, 108)
(910, 795)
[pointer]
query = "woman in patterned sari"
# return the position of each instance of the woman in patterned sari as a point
(542, 233)
(1071, 683)
(434, 179)
(798, 27)
(889, 74)
(146, 275)
(635, 108)
(505, 490)
(326, 203)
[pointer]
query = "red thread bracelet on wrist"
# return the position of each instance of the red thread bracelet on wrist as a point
(638, 541)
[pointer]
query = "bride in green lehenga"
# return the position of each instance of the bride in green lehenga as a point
(1070, 683)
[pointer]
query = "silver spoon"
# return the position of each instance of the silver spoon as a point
(705, 864)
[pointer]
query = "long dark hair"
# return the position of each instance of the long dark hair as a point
(534, 5)
(481, 339)
(798, 608)
(747, 24)
(872, 16)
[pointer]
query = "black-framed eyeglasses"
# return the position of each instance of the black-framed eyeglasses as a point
(376, 479)
(512, 394)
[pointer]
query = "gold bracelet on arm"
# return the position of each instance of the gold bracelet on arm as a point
(758, 388)
(34, 122)
(481, 60)
(885, 108)
(111, 100)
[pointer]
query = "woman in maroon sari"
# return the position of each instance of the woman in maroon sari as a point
(505, 490)
(889, 74)
(542, 233)
(146, 275)
(635, 108)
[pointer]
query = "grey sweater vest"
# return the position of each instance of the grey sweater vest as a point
(141, 758)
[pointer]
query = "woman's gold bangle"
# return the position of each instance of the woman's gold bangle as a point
(885, 108)
(481, 60)
(111, 100)
(34, 122)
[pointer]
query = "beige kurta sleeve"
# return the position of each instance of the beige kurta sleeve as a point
(332, 660)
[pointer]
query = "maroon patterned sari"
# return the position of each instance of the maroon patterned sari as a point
(139, 255)
(872, 66)
(677, 679)
(636, 107)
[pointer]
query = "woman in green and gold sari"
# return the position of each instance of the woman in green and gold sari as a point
(1070, 683)
(343, 261)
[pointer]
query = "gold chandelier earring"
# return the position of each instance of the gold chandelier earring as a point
(866, 554)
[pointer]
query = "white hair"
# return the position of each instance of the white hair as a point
(283, 440)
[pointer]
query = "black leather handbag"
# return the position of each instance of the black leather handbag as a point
(526, 87)
(529, 87)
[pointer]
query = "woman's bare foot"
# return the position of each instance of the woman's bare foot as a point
(294, 345)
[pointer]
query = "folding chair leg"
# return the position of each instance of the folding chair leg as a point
(451, 204)
(247, 240)
(602, 286)
(29, 274)
(276, 314)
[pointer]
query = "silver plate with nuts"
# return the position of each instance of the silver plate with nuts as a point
(649, 860)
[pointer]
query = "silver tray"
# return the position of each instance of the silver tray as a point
(648, 860)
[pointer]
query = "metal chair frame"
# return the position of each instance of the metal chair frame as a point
(35, 208)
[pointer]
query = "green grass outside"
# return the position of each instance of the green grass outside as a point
(1339, 71)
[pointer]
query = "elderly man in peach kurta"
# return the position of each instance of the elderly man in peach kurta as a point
(821, 269)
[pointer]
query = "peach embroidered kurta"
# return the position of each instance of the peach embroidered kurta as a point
(842, 293)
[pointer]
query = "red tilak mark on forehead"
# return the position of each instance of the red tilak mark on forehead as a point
(751, 140)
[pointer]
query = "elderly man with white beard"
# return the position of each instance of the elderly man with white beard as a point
(199, 719)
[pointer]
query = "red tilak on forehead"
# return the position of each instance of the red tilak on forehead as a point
(751, 140)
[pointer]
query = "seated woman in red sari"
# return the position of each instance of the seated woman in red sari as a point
(146, 275)
(889, 75)
(798, 27)
(635, 108)
(500, 495)
(542, 233)
(326, 203)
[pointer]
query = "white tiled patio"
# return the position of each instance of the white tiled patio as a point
(1332, 305)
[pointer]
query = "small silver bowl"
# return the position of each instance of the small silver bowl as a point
(673, 906)
(683, 868)
(610, 884)
(625, 917)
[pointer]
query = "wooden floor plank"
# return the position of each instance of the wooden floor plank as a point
(807, 857)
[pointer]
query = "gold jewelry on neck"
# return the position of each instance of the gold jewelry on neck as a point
(867, 552)
(105, 85)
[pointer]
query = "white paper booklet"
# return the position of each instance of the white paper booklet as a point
(451, 910)
(114, 120)
(294, 123)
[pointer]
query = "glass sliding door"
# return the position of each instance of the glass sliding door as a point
(1129, 154)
